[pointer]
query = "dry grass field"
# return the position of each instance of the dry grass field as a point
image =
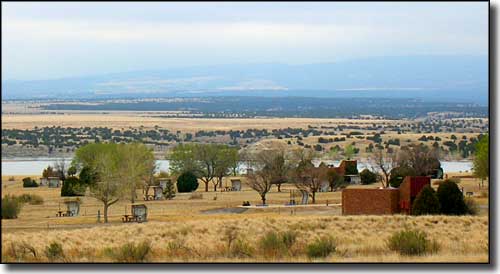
(198, 230)
(135, 120)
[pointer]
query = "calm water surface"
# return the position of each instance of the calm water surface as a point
(36, 166)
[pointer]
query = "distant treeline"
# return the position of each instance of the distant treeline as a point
(224, 107)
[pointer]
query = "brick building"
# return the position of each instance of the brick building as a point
(364, 201)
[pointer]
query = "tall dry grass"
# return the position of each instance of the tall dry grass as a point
(356, 239)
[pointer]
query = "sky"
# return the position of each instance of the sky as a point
(50, 40)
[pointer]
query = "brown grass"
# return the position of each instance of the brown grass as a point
(180, 230)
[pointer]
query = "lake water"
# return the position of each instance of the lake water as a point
(36, 166)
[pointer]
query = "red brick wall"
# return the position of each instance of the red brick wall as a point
(405, 195)
(370, 201)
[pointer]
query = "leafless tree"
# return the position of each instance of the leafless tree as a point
(419, 158)
(309, 178)
(383, 162)
(61, 168)
(261, 180)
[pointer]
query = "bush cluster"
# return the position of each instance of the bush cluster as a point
(411, 243)
(28, 182)
(321, 248)
(130, 252)
(31, 199)
(187, 182)
(275, 245)
(368, 177)
(54, 252)
(11, 207)
(448, 200)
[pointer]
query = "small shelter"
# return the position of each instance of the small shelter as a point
(140, 212)
(73, 207)
(43, 181)
(54, 182)
(325, 187)
(305, 197)
(352, 179)
(235, 185)
(164, 182)
(158, 192)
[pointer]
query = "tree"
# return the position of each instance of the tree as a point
(111, 170)
(60, 168)
(335, 181)
(223, 163)
(398, 174)
(187, 182)
(136, 162)
(349, 151)
(28, 182)
(309, 178)
(169, 191)
(426, 202)
(384, 162)
(183, 158)
(48, 172)
(72, 187)
(368, 177)
(109, 188)
(451, 199)
(420, 158)
(261, 180)
(87, 176)
(481, 159)
(72, 171)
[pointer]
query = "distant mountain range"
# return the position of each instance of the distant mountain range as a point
(442, 78)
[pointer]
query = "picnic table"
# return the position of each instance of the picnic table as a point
(149, 197)
(62, 213)
(129, 218)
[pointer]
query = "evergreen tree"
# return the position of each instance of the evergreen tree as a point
(426, 202)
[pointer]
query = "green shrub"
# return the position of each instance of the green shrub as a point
(54, 252)
(399, 173)
(187, 182)
(451, 198)
(130, 252)
(472, 206)
(11, 207)
(72, 186)
(31, 199)
(28, 182)
(321, 247)
(411, 243)
(426, 202)
(367, 177)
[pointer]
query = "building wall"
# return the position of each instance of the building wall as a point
(370, 201)
(409, 189)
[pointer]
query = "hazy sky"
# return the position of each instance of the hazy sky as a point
(51, 40)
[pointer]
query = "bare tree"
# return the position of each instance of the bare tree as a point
(335, 180)
(383, 162)
(420, 158)
(309, 178)
(60, 168)
(261, 180)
